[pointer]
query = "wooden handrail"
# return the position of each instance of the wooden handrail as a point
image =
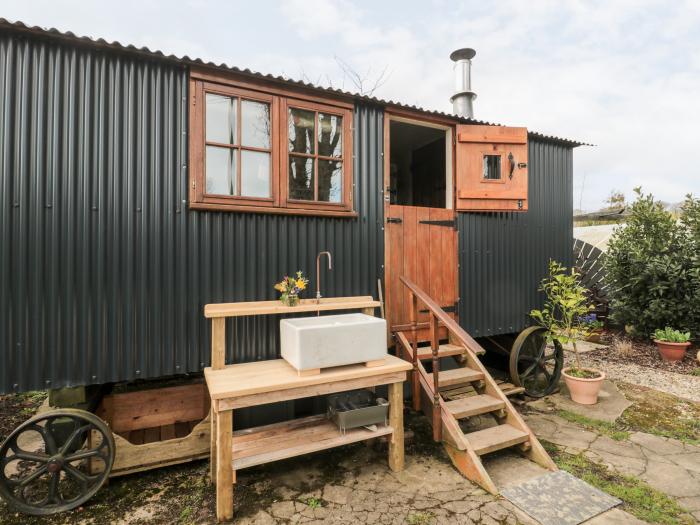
(447, 321)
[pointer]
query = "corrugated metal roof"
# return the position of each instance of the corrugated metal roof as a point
(118, 46)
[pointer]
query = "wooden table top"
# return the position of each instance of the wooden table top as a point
(259, 377)
(277, 308)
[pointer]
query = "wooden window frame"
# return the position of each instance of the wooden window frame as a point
(203, 82)
(503, 175)
(346, 115)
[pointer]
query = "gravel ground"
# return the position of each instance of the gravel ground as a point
(681, 385)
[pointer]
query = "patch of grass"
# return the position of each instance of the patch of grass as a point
(314, 503)
(420, 518)
(601, 427)
(661, 414)
(696, 372)
(639, 499)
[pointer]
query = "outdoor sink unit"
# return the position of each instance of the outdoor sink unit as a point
(312, 343)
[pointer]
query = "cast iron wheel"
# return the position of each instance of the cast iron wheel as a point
(55, 461)
(536, 365)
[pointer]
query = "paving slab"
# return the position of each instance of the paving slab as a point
(611, 403)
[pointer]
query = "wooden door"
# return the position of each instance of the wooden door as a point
(420, 243)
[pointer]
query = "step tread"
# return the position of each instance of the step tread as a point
(445, 350)
(496, 438)
(458, 376)
(474, 405)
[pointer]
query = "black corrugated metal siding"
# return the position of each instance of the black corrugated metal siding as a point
(104, 270)
(504, 256)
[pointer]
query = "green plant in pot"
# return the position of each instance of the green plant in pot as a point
(671, 343)
(564, 315)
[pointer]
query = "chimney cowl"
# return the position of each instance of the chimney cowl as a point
(463, 98)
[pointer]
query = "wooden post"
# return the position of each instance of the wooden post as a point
(435, 347)
(212, 446)
(218, 343)
(415, 378)
(396, 458)
(224, 466)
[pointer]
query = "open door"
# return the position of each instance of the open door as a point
(420, 229)
(491, 168)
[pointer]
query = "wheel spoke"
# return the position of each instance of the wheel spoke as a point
(30, 456)
(54, 494)
(26, 480)
(84, 454)
(80, 476)
(74, 435)
(49, 440)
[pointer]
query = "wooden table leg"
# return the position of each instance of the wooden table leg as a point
(396, 421)
(212, 445)
(224, 466)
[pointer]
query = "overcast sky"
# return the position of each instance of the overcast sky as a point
(624, 75)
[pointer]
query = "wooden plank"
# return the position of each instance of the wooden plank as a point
(459, 376)
(218, 343)
(151, 435)
(445, 350)
(310, 391)
(396, 443)
(212, 443)
(290, 439)
(154, 408)
(167, 432)
(473, 406)
(277, 375)
(221, 310)
(224, 472)
(495, 438)
(182, 428)
(137, 436)
(492, 134)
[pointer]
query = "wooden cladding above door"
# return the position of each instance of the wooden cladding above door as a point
(491, 172)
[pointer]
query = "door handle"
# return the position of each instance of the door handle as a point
(393, 219)
(511, 159)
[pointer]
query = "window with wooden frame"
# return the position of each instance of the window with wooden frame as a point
(269, 151)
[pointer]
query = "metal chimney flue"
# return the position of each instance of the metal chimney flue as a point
(463, 99)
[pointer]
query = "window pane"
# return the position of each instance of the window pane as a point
(221, 119)
(330, 180)
(492, 167)
(220, 171)
(255, 174)
(330, 135)
(301, 178)
(255, 124)
(301, 130)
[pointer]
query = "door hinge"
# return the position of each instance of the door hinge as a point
(394, 219)
(449, 224)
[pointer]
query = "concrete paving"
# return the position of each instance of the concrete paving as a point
(668, 465)
(611, 403)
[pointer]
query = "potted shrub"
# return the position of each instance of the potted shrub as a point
(595, 326)
(564, 313)
(671, 343)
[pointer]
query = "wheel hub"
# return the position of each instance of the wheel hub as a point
(55, 464)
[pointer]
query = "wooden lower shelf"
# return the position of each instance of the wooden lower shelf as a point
(269, 443)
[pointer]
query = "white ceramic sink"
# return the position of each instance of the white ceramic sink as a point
(310, 343)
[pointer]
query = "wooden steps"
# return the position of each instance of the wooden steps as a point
(474, 406)
(445, 350)
(458, 376)
(496, 438)
(460, 391)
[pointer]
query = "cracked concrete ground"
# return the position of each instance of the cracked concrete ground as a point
(668, 465)
(364, 490)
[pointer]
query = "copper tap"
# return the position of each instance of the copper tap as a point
(318, 273)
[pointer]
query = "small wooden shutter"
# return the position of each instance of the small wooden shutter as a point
(491, 168)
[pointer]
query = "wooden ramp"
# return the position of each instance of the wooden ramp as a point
(449, 396)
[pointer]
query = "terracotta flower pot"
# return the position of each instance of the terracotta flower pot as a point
(671, 351)
(583, 390)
